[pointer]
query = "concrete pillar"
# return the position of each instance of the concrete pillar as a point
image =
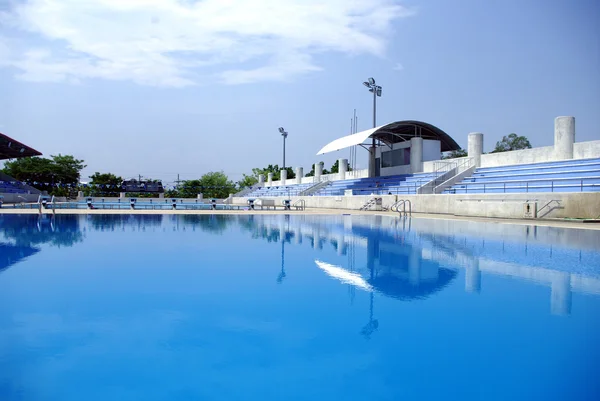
(161, 195)
(560, 298)
(80, 194)
(475, 147)
(342, 168)
(473, 277)
(299, 175)
(564, 137)
(340, 243)
(261, 180)
(283, 176)
(200, 196)
(270, 179)
(416, 155)
(372, 161)
(318, 171)
(122, 195)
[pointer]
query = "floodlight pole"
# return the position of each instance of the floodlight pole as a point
(373, 160)
(370, 83)
(284, 134)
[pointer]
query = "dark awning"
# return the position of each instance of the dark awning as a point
(12, 149)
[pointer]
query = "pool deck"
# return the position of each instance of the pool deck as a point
(537, 222)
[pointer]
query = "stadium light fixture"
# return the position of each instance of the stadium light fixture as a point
(372, 81)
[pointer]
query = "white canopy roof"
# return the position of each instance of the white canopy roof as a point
(347, 141)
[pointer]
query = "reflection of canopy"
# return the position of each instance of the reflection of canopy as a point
(395, 287)
(399, 131)
(390, 285)
(344, 275)
(11, 254)
(11, 149)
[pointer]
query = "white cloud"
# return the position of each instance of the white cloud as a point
(184, 42)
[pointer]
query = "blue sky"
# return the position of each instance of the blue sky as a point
(160, 87)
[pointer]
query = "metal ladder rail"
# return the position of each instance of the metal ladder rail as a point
(300, 204)
(393, 208)
(403, 203)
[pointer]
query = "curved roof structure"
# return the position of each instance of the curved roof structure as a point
(11, 149)
(398, 131)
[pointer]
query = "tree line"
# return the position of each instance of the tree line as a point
(60, 175)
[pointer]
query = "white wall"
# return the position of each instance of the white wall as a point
(525, 156)
(432, 150)
(586, 150)
(397, 170)
(576, 205)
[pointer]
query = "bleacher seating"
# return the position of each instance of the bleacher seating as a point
(395, 184)
(9, 185)
(285, 190)
(564, 176)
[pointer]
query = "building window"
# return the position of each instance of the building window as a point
(397, 157)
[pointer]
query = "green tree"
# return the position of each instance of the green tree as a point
(512, 142)
(58, 175)
(211, 185)
(104, 184)
(247, 181)
(275, 169)
(454, 154)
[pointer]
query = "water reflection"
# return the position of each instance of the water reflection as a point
(409, 261)
(31, 230)
(21, 236)
(398, 258)
(112, 222)
(11, 254)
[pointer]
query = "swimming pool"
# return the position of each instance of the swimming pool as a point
(295, 307)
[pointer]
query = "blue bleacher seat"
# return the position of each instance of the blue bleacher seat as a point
(563, 176)
(395, 184)
(285, 190)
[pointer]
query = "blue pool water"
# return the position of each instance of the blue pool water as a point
(296, 307)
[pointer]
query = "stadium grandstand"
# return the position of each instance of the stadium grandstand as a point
(11, 189)
(405, 167)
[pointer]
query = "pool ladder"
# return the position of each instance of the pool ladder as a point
(300, 204)
(402, 202)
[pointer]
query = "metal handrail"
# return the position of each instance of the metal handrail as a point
(300, 203)
(527, 187)
(445, 172)
(403, 202)
(406, 189)
(547, 205)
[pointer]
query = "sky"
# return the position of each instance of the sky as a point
(166, 87)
